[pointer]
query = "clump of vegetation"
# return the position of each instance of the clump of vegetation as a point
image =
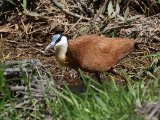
(99, 101)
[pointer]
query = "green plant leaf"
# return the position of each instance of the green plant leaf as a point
(126, 13)
(117, 9)
(121, 18)
(154, 55)
(24, 4)
(11, 1)
(110, 9)
(33, 14)
(134, 17)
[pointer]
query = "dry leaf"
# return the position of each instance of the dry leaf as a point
(53, 25)
(33, 14)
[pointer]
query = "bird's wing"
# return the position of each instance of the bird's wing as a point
(116, 47)
(93, 57)
(96, 53)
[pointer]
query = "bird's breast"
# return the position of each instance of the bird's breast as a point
(65, 60)
(61, 59)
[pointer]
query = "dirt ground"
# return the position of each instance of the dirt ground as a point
(13, 49)
(24, 36)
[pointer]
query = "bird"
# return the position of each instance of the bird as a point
(90, 53)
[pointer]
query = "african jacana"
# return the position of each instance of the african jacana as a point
(90, 52)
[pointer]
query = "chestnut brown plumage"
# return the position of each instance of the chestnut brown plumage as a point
(91, 52)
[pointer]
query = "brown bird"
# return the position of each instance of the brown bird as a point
(90, 53)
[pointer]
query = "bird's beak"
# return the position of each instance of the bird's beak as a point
(52, 44)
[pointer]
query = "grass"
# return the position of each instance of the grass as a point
(100, 101)
(106, 101)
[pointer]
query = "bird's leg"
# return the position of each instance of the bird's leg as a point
(82, 87)
(115, 73)
(97, 75)
(79, 76)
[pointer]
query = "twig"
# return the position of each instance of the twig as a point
(68, 12)
(5, 57)
(18, 105)
(153, 48)
(156, 38)
(73, 26)
(25, 29)
(11, 41)
(153, 112)
(37, 49)
(108, 28)
(22, 88)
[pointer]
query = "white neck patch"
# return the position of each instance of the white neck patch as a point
(62, 42)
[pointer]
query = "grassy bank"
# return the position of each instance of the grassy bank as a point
(99, 101)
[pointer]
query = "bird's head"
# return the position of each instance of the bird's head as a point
(57, 40)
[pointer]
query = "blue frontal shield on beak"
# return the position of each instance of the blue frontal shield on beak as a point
(55, 38)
